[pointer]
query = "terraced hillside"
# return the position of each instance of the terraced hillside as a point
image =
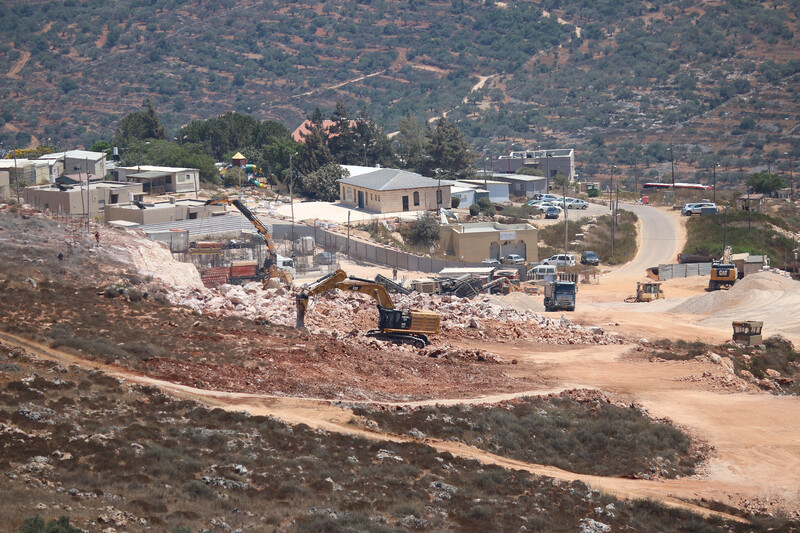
(716, 79)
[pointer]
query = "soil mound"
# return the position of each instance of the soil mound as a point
(765, 296)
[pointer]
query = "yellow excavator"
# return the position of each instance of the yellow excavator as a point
(407, 326)
(723, 272)
(271, 268)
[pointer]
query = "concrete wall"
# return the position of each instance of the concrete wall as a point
(392, 201)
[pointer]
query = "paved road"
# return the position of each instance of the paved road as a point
(660, 241)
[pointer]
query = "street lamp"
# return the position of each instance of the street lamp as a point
(365, 153)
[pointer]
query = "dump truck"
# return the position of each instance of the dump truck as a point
(560, 296)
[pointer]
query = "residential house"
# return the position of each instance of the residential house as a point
(550, 162)
(522, 184)
(475, 242)
(498, 190)
(5, 185)
(27, 171)
(80, 162)
(159, 212)
(74, 200)
(161, 180)
(387, 190)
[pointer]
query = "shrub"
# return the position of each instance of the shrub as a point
(37, 525)
(474, 209)
(455, 201)
(594, 193)
(423, 231)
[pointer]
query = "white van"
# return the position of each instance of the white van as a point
(542, 272)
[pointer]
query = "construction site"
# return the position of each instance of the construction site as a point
(263, 331)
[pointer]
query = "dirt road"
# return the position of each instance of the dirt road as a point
(324, 415)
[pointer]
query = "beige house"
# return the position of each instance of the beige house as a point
(73, 200)
(5, 185)
(161, 180)
(81, 162)
(159, 212)
(489, 240)
(387, 190)
(29, 171)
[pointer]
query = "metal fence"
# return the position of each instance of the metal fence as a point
(670, 271)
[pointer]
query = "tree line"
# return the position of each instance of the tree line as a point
(311, 162)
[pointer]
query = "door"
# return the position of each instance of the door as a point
(405, 203)
(361, 199)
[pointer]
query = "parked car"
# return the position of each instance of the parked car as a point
(589, 258)
(549, 197)
(491, 261)
(552, 212)
(699, 208)
(560, 260)
(325, 258)
(577, 203)
(513, 259)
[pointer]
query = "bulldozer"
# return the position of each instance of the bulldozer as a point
(646, 292)
(723, 272)
(406, 326)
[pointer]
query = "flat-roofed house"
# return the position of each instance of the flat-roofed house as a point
(161, 180)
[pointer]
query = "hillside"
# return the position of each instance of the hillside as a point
(716, 79)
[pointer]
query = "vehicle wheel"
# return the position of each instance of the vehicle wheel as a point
(419, 344)
(584, 207)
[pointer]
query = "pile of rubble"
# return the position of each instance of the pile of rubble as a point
(341, 312)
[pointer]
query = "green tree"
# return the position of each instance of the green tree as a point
(766, 183)
(323, 183)
(411, 144)
(139, 126)
(450, 155)
(171, 154)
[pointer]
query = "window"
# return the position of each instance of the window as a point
(169, 179)
(101, 204)
(416, 197)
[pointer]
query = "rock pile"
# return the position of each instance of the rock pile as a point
(340, 312)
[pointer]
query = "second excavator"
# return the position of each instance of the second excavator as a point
(401, 326)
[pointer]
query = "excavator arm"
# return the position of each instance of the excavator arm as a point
(272, 257)
(401, 326)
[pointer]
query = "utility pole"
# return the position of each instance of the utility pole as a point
(672, 163)
(715, 180)
(566, 220)
(791, 178)
(88, 199)
(611, 190)
(635, 175)
(291, 197)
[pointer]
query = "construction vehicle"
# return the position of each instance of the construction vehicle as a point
(747, 332)
(275, 266)
(560, 296)
(646, 292)
(723, 272)
(408, 326)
